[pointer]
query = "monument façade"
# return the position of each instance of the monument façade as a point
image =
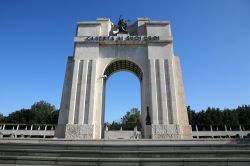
(144, 48)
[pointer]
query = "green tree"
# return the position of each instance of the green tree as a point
(132, 119)
(243, 114)
(22, 116)
(114, 125)
(40, 112)
(216, 116)
(2, 118)
(191, 116)
(43, 113)
(226, 116)
(213, 116)
(129, 121)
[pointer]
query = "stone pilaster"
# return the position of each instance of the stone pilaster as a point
(83, 93)
(73, 93)
(163, 93)
(153, 89)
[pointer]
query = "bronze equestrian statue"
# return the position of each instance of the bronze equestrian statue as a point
(122, 25)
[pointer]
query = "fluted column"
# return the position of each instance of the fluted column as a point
(153, 87)
(92, 93)
(83, 92)
(163, 93)
(173, 93)
(73, 92)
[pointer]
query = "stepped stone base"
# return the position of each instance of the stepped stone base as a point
(227, 152)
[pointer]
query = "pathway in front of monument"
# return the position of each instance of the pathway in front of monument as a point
(125, 152)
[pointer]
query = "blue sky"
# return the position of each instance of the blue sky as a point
(212, 39)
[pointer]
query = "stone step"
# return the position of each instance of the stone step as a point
(158, 147)
(34, 160)
(125, 154)
(22, 165)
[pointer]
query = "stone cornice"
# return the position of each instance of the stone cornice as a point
(89, 23)
(140, 42)
(157, 23)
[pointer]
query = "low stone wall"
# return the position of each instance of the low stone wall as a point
(117, 134)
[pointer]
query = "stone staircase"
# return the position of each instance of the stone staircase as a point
(225, 152)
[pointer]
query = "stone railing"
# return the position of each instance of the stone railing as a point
(48, 131)
(213, 131)
(27, 131)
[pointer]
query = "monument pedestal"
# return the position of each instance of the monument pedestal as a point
(186, 131)
(171, 131)
(86, 131)
(75, 131)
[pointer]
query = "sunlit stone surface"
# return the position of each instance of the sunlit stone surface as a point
(146, 51)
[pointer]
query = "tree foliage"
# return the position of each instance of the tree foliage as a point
(1, 118)
(132, 119)
(43, 112)
(129, 121)
(40, 112)
(216, 116)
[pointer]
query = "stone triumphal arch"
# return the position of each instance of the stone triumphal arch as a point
(144, 48)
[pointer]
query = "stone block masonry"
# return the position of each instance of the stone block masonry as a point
(146, 49)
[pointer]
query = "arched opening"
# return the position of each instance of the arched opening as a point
(122, 89)
(124, 65)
